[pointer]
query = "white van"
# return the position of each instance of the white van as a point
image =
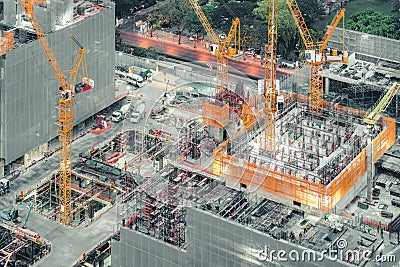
(120, 74)
(135, 79)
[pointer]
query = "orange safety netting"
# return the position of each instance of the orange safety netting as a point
(313, 194)
(215, 114)
(7, 42)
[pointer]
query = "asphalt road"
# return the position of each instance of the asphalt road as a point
(184, 51)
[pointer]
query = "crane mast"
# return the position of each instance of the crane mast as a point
(270, 78)
(223, 52)
(65, 110)
(316, 54)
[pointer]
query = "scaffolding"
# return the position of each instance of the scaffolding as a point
(309, 168)
(91, 197)
(6, 42)
(21, 247)
(159, 205)
(155, 209)
(215, 113)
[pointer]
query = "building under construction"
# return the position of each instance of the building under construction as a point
(28, 85)
(247, 201)
(193, 183)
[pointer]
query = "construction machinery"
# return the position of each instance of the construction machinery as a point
(370, 120)
(317, 54)
(270, 78)
(224, 48)
(12, 214)
(65, 107)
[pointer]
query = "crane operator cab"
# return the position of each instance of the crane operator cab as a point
(313, 56)
(213, 49)
(86, 85)
(66, 94)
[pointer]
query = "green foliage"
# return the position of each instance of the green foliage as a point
(123, 7)
(286, 27)
(118, 39)
(396, 9)
(176, 13)
(222, 18)
(252, 35)
(150, 52)
(311, 10)
(193, 24)
(154, 20)
(370, 21)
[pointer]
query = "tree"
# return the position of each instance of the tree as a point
(396, 9)
(372, 22)
(154, 21)
(224, 14)
(251, 35)
(124, 7)
(311, 10)
(176, 13)
(286, 27)
(193, 23)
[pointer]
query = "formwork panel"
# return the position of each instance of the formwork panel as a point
(320, 196)
(7, 42)
(215, 114)
(386, 139)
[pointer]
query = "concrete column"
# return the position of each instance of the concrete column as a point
(327, 82)
(370, 167)
(216, 133)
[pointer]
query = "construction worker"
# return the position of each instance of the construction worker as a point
(84, 258)
(291, 236)
(37, 239)
(305, 228)
(20, 197)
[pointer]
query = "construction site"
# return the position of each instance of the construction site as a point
(143, 162)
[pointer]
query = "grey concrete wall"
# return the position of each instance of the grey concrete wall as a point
(214, 242)
(29, 87)
(139, 250)
(211, 242)
(185, 71)
(9, 12)
(366, 44)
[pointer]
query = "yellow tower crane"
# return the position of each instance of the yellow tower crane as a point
(270, 78)
(224, 49)
(316, 53)
(370, 120)
(65, 108)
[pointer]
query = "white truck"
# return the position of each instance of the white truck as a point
(138, 114)
(135, 79)
(120, 114)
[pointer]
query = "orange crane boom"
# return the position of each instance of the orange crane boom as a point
(270, 78)
(65, 111)
(223, 52)
(316, 54)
